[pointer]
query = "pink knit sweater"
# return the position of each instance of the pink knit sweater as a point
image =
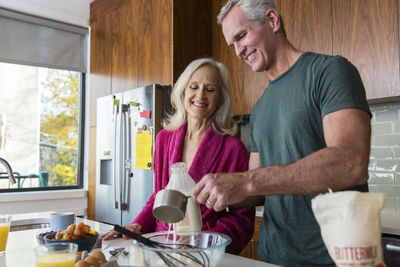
(216, 153)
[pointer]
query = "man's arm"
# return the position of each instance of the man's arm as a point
(342, 164)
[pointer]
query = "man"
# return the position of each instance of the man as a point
(310, 131)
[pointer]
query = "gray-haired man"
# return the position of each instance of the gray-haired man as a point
(310, 131)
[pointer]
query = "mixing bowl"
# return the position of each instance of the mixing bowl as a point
(195, 249)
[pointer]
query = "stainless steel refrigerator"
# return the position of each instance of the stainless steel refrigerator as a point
(127, 124)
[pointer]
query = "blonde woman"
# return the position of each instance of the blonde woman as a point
(200, 133)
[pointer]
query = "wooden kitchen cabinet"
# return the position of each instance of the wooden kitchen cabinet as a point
(308, 24)
(100, 63)
(141, 44)
(250, 251)
(367, 33)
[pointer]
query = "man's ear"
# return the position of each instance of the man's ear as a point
(273, 20)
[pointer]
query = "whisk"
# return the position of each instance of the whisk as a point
(167, 258)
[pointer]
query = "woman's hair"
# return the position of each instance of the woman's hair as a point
(221, 120)
(255, 10)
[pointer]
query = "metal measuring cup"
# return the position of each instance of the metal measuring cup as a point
(170, 206)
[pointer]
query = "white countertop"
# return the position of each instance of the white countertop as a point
(21, 244)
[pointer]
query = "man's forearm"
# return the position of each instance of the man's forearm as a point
(335, 168)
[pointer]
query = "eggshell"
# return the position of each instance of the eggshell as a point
(99, 255)
(92, 261)
(82, 263)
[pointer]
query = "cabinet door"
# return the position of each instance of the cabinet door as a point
(366, 32)
(141, 44)
(250, 251)
(308, 24)
(192, 33)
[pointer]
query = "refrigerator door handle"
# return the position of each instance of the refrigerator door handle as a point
(126, 159)
(121, 156)
(116, 156)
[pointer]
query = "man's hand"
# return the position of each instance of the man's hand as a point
(218, 191)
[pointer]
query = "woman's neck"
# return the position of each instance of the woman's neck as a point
(194, 134)
(196, 129)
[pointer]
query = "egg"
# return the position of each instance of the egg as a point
(92, 261)
(82, 263)
(99, 255)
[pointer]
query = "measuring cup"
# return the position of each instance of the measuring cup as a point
(170, 206)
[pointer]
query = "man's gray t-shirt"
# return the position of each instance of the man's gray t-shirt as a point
(286, 125)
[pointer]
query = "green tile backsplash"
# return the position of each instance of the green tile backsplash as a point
(384, 166)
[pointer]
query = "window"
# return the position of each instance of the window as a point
(42, 82)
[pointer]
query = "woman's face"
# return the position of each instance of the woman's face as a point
(202, 93)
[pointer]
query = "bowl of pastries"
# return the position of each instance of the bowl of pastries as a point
(80, 234)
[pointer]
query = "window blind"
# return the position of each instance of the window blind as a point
(35, 41)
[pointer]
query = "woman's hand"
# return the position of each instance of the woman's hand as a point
(135, 227)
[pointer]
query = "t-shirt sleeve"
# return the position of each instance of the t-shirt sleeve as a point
(339, 86)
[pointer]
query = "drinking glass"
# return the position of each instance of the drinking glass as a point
(56, 255)
(5, 221)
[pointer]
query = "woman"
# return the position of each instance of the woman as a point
(199, 133)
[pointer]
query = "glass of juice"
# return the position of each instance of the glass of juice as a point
(5, 221)
(56, 255)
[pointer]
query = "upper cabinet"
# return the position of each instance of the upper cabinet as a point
(308, 24)
(367, 33)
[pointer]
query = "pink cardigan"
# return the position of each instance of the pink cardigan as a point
(216, 153)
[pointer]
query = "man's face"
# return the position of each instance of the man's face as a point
(252, 42)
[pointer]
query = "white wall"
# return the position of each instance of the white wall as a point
(75, 12)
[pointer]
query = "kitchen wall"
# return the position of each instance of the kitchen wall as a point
(384, 166)
(71, 11)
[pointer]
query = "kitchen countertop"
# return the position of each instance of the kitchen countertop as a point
(21, 244)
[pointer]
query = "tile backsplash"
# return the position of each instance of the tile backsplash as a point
(384, 164)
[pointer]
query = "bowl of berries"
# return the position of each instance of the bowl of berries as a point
(80, 234)
(41, 234)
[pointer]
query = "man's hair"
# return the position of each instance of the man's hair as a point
(255, 10)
